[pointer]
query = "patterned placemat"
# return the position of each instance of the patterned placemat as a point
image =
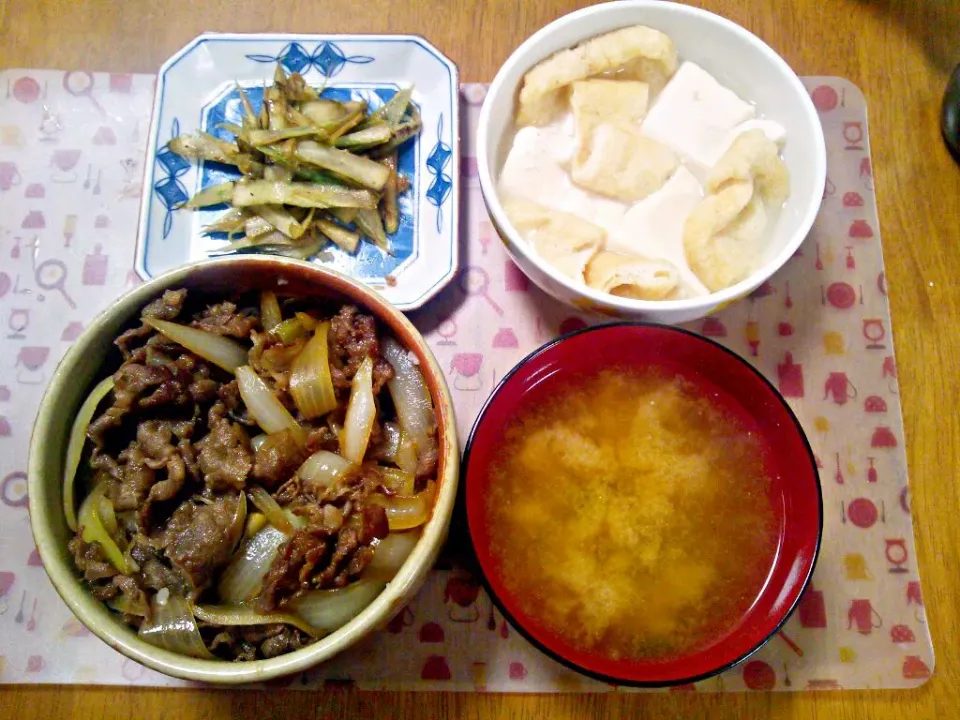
(71, 149)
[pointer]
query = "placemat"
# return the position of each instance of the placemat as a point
(71, 149)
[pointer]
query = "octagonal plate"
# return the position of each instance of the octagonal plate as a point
(196, 89)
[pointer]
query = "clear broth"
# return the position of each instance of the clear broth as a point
(630, 515)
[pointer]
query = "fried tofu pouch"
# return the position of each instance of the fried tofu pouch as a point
(640, 51)
(632, 276)
(721, 238)
(752, 156)
(620, 162)
(564, 240)
(595, 102)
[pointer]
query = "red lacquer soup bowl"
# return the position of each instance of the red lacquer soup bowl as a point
(794, 487)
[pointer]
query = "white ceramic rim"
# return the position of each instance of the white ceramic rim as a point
(489, 188)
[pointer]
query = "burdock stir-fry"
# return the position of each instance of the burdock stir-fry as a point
(313, 170)
(252, 475)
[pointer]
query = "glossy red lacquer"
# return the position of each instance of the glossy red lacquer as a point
(795, 489)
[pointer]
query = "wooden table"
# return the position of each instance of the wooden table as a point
(899, 52)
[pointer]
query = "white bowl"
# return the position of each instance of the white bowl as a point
(739, 60)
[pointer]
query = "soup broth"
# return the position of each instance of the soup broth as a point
(629, 514)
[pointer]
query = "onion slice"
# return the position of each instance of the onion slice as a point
(411, 398)
(94, 531)
(171, 626)
(398, 481)
(270, 508)
(390, 554)
(406, 454)
(243, 577)
(266, 408)
(270, 315)
(332, 609)
(361, 413)
(311, 385)
(406, 511)
(321, 469)
(234, 615)
(219, 350)
(78, 436)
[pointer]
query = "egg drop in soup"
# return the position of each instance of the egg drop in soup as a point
(629, 514)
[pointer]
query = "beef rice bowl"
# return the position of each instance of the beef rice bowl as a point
(252, 474)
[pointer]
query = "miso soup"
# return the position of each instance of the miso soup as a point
(629, 514)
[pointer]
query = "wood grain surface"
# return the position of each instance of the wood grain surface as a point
(900, 52)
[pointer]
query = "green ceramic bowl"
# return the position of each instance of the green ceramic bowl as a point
(84, 364)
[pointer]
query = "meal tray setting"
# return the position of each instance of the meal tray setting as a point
(71, 168)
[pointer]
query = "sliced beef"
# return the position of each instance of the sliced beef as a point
(224, 319)
(335, 574)
(277, 460)
(253, 642)
(352, 338)
(374, 524)
(199, 539)
(319, 557)
(427, 463)
(168, 488)
(167, 307)
(105, 463)
(136, 480)
(130, 382)
(90, 560)
(290, 571)
(225, 459)
(287, 640)
(229, 394)
(155, 573)
(156, 436)
(182, 375)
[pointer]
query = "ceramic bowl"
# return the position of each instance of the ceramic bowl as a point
(794, 487)
(197, 90)
(92, 356)
(739, 60)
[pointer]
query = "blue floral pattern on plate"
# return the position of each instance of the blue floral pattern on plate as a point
(170, 189)
(327, 57)
(196, 90)
(442, 184)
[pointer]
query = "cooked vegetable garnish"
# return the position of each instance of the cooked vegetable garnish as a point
(93, 531)
(310, 383)
(303, 151)
(308, 195)
(239, 615)
(392, 553)
(271, 510)
(330, 609)
(219, 350)
(347, 239)
(322, 468)
(171, 626)
(361, 413)
(263, 404)
(78, 435)
(270, 314)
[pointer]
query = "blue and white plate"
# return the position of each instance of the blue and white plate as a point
(196, 89)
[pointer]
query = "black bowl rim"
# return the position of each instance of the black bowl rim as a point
(612, 679)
